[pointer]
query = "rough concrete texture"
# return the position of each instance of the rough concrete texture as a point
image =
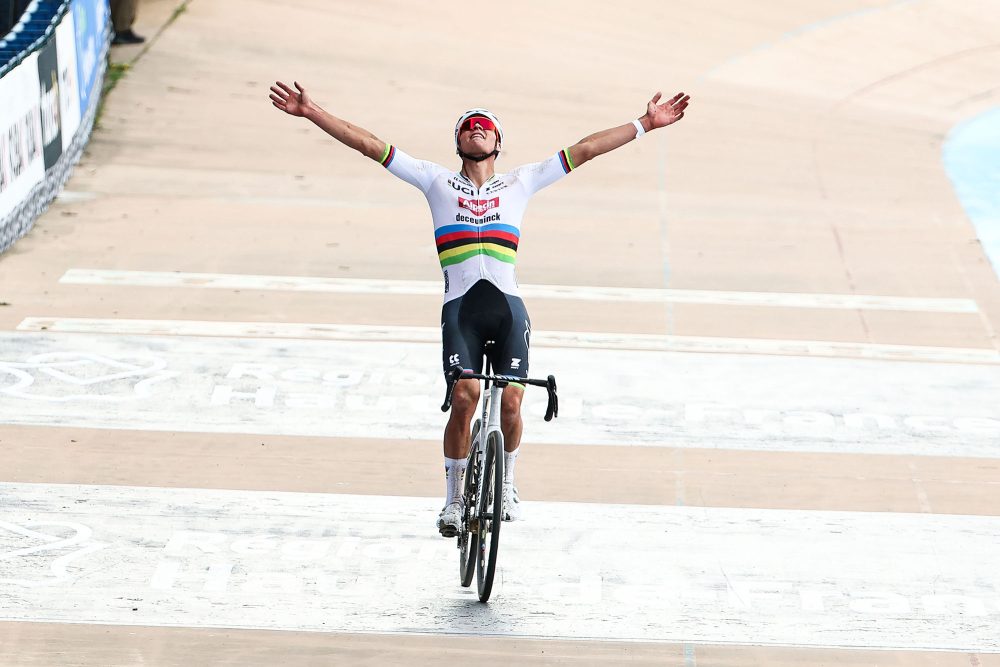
(809, 161)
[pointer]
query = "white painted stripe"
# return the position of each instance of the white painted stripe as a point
(562, 339)
(355, 389)
(582, 293)
(338, 563)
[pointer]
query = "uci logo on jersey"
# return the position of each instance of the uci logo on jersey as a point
(478, 206)
(464, 189)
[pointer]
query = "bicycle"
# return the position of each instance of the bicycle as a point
(479, 535)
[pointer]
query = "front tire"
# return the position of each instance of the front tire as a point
(490, 514)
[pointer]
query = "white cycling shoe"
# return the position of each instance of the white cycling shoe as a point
(511, 503)
(450, 520)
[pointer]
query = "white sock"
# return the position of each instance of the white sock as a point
(454, 474)
(509, 459)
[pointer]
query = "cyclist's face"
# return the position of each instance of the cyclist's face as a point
(481, 122)
(474, 136)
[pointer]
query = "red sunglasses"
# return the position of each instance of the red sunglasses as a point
(481, 121)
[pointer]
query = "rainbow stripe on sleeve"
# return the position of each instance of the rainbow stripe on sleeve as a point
(567, 160)
(457, 243)
(390, 152)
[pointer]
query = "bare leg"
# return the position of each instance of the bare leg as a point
(511, 425)
(463, 408)
(510, 417)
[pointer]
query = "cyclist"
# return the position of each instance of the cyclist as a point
(477, 219)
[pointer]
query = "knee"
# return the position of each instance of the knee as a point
(463, 402)
(510, 406)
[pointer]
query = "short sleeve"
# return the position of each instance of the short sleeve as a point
(538, 175)
(418, 173)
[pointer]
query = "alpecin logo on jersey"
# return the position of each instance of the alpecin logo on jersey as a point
(479, 207)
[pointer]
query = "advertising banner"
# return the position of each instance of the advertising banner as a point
(22, 165)
(69, 89)
(48, 103)
(90, 18)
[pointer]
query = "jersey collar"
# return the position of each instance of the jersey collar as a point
(469, 181)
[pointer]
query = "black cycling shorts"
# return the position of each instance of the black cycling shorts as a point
(482, 314)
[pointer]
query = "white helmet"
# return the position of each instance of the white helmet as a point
(485, 114)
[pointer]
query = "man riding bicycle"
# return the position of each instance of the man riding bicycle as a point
(477, 220)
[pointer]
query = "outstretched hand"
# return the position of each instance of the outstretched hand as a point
(288, 100)
(671, 111)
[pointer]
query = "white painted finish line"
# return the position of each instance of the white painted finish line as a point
(357, 389)
(315, 562)
(582, 293)
(565, 339)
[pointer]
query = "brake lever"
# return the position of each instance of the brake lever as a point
(449, 391)
(552, 409)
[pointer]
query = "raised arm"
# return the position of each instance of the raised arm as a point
(657, 115)
(298, 103)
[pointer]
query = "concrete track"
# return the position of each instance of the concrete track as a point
(738, 479)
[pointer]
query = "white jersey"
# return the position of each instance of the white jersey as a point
(476, 229)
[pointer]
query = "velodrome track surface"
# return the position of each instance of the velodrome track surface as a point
(774, 329)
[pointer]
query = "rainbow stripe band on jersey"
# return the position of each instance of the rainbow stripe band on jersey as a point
(390, 152)
(457, 243)
(477, 227)
(567, 160)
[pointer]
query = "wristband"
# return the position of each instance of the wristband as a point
(639, 129)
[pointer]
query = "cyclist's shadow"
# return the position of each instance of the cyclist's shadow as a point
(467, 611)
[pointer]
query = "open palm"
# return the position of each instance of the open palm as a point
(290, 101)
(669, 112)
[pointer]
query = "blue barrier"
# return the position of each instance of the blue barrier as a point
(52, 63)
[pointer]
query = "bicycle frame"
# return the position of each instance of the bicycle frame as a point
(492, 401)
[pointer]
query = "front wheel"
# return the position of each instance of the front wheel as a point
(490, 513)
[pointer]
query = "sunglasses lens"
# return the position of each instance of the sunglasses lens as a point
(484, 123)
